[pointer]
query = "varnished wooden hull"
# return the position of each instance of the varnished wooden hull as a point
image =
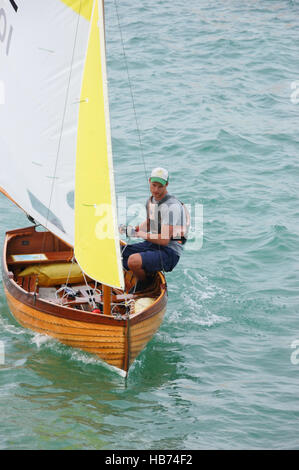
(116, 341)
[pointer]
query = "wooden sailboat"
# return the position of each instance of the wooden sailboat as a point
(66, 280)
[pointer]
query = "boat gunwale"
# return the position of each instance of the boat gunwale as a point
(68, 313)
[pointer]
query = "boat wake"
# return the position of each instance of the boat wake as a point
(7, 327)
(75, 355)
(200, 297)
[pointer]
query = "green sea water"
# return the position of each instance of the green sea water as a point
(215, 89)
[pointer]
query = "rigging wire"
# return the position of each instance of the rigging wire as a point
(62, 124)
(134, 107)
(131, 89)
(65, 109)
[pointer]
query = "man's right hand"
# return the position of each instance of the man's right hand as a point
(131, 231)
(128, 230)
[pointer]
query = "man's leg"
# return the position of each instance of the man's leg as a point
(130, 250)
(145, 264)
(135, 265)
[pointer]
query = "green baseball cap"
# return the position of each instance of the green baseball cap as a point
(159, 175)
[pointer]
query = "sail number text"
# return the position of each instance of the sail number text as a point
(6, 30)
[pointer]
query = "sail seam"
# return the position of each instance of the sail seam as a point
(62, 123)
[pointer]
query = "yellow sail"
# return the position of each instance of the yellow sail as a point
(82, 7)
(97, 247)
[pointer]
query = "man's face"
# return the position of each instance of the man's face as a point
(158, 190)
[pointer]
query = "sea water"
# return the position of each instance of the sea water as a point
(209, 90)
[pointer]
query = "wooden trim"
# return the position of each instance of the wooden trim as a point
(71, 326)
(66, 312)
(51, 257)
(107, 291)
(127, 348)
(54, 309)
(2, 190)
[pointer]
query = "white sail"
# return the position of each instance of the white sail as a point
(43, 46)
(54, 117)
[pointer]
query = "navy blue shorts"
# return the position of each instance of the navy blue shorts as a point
(154, 257)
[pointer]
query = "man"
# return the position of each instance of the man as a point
(163, 233)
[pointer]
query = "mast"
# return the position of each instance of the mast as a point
(103, 6)
(107, 290)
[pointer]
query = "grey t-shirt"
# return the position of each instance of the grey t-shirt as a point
(172, 213)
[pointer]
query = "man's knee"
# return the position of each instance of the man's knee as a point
(135, 261)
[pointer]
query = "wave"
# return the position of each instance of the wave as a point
(199, 296)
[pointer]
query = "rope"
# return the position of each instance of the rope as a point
(65, 287)
(69, 290)
(91, 299)
(134, 108)
(131, 89)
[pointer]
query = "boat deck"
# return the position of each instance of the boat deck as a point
(24, 252)
(46, 296)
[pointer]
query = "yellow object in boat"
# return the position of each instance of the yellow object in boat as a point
(55, 273)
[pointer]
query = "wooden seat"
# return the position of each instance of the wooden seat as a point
(130, 280)
(49, 257)
(28, 283)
